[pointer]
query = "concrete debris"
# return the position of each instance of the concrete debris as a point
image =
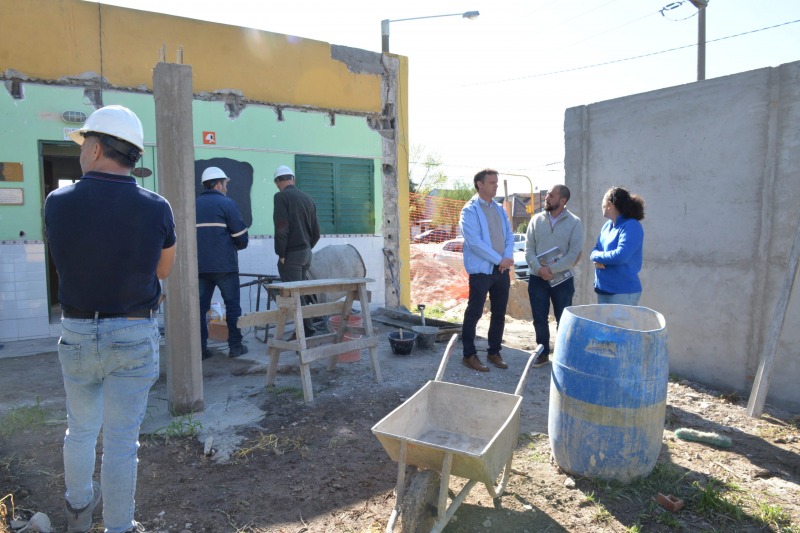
(39, 523)
(569, 483)
(207, 449)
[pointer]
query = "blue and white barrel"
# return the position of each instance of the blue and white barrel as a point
(608, 391)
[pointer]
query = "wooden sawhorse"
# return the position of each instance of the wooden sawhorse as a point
(288, 298)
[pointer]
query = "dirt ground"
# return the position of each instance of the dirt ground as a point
(318, 468)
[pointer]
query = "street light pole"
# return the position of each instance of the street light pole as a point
(529, 208)
(385, 24)
(701, 6)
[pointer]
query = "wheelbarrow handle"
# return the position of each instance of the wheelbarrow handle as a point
(447, 352)
(539, 349)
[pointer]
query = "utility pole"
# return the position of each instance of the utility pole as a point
(701, 6)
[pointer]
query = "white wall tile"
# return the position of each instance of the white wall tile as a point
(33, 327)
(8, 330)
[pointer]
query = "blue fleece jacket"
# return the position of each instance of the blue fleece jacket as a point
(619, 248)
(479, 256)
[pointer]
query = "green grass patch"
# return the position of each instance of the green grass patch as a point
(180, 427)
(294, 392)
(23, 418)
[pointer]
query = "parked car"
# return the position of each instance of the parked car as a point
(519, 242)
(432, 235)
(452, 254)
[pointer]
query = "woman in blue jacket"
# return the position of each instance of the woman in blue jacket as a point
(617, 256)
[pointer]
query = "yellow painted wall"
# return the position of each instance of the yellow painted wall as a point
(68, 38)
(403, 203)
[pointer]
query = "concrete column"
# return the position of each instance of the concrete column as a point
(172, 92)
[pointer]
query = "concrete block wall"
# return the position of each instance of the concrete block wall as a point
(718, 165)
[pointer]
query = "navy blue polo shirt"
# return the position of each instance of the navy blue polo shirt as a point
(221, 232)
(106, 234)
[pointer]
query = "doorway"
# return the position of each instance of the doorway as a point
(60, 167)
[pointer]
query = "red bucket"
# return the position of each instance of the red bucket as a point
(353, 321)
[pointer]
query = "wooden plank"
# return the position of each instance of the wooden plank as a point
(414, 320)
(443, 334)
(260, 318)
(758, 395)
(263, 318)
(314, 286)
(312, 354)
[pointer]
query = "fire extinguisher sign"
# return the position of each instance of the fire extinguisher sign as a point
(209, 137)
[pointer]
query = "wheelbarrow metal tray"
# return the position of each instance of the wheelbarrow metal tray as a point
(478, 426)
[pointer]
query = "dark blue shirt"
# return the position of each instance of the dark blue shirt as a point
(106, 235)
(220, 233)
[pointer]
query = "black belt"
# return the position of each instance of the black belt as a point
(92, 315)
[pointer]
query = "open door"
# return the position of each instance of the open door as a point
(60, 167)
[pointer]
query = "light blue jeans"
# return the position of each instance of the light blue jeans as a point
(631, 298)
(109, 366)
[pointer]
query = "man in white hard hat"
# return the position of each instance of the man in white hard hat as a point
(111, 241)
(221, 233)
(296, 231)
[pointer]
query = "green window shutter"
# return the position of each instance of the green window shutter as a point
(343, 189)
(315, 177)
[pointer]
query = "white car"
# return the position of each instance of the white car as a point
(452, 254)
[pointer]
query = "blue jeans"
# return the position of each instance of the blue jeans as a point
(541, 294)
(496, 285)
(228, 283)
(624, 299)
(109, 366)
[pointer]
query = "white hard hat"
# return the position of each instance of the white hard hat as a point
(283, 170)
(116, 121)
(213, 173)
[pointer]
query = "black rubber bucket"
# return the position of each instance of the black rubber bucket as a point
(402, 346)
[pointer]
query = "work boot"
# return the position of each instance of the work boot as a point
(80, 520)
(236, 351)
(472, 362)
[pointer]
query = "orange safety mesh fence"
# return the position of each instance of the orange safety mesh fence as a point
(437, 268)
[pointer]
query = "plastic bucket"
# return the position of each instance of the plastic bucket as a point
(334, 321)
(608, 391)
(353, 321)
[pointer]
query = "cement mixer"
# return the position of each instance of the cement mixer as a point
(336, 261)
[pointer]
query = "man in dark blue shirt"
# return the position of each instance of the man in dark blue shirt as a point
(221, 233)
(111, 242)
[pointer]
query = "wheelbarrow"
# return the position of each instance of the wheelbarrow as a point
(454, 430)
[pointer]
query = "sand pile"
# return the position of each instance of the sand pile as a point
(435, 283)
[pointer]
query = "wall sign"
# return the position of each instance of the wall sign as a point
(11, 171)
(209, 137)
(12, 196)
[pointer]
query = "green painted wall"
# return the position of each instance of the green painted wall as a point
(255, 136)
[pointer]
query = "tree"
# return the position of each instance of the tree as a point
(450, 202)
(433, 177)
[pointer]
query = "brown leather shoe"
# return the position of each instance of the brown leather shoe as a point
(474, 363)
(497, 361)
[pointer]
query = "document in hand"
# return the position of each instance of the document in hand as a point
(548, 258)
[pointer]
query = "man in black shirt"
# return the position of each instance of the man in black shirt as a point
(296, 231)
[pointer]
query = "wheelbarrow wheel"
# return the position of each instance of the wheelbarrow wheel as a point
(419, 504)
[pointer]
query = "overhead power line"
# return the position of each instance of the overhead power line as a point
(613, 61)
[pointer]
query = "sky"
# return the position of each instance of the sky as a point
(492, 92)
